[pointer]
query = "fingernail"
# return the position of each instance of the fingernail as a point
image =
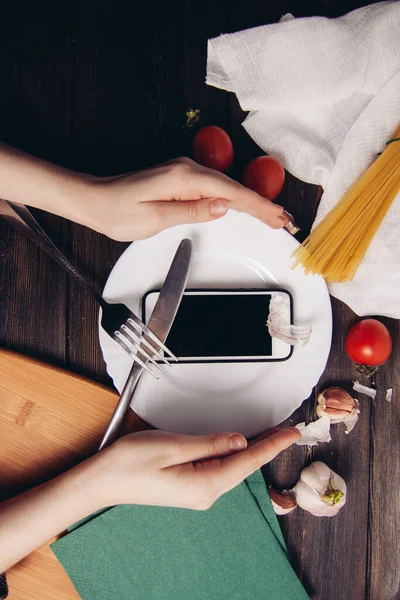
(237, 442)
(219, 206)
(291, 225)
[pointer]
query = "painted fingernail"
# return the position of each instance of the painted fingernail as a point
(237, 442)
(219, 206)
(291, 225)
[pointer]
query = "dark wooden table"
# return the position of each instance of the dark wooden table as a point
(103, 87)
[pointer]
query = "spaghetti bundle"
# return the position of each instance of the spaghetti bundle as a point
(337, 245)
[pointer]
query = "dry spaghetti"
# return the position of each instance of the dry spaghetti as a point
(337, 245)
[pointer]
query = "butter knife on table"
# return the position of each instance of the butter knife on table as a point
(160, 323)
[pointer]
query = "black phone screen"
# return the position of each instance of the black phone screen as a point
(221, 325)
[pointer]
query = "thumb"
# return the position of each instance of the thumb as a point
(199, 447)
(190, 211)
(236, 468)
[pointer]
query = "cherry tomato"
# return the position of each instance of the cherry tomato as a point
(212, 147)
(369, 343)
(264, 175)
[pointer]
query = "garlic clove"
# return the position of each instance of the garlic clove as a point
(320, 491)
(339, 406)
(282, 502)
(336, 402)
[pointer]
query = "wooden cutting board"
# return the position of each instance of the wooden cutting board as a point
(50, 419)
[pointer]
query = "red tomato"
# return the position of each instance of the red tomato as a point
(212, 147)
(368, 343)
(264, 175)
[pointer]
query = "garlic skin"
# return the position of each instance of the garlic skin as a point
(282, 502)
(364, 389)
(339, 406)
(320, 491)
(315, 432)
(279, 324)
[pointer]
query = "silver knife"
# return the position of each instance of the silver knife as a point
(160, 323)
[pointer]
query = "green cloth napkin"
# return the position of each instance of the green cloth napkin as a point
(234, 550)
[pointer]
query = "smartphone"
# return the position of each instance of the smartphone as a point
(227, 325)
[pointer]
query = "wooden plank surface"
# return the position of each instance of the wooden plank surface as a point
(34, 107)
(102, 87)
(384, 471)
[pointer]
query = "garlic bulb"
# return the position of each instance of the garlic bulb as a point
(282, 502)
(320, 490)
(279, 324)
(339, 406)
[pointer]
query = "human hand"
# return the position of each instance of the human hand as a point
(166, 469)
(150, 467)
(138, 205)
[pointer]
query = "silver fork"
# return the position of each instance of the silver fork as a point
(121, 324)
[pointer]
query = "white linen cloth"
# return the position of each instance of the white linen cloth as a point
(324, 97)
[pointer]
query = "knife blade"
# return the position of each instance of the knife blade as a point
(160, 323)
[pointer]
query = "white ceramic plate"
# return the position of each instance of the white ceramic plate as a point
(236, 251)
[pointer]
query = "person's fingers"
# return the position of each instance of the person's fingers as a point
(189, 211)
(242, 199)
(185, 181)
(189, 180)
(263, 436)
(189, 448)
(237, 467)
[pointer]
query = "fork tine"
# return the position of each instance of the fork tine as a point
(121, 341)
(137, 344)
(135, 348)
(130, 331)
(136, 322)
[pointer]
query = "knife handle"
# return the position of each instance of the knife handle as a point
(122, 406)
